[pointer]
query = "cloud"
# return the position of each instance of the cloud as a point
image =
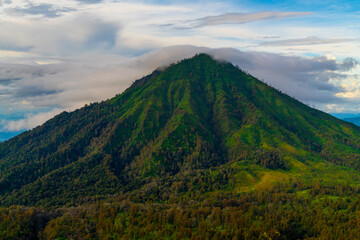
(60, 37)
(90, 1)
(304, 41)
(241, 18)
(348, 64)
(7, 81)
(11, 47)
(103, 37)
(132, 28)
(33, 91)
(43, 9)
(30, 121)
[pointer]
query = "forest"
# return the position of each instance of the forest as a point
(292, 210)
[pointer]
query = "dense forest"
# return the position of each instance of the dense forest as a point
(291, 210)
(200, 150)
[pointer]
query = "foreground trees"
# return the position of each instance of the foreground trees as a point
(317, 212)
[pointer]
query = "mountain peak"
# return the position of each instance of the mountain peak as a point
(203, 57)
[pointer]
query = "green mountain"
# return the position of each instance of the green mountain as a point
(201, 130)
(195, 115)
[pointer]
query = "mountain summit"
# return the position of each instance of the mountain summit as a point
(197, 116)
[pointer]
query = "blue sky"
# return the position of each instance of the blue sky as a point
(59, 55)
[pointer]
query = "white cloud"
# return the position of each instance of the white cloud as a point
(67, 36)
(241, 18)
(43, 9)
(30, 121)
(133, 28)
(305, 41)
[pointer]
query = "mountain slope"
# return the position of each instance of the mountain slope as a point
(191, 118)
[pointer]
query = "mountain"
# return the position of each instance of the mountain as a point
(354, 120)
(197, 114)
(203, 134)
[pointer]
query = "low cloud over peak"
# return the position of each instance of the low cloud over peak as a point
(64, 54)
(73, 83)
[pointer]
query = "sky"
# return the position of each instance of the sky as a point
(60, 55)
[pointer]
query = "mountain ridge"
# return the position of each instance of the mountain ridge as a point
(353, 120)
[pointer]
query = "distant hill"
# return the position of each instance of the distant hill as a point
(185, 144)
(7, 135)
(354, 120)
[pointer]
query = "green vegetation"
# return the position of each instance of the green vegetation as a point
(200, 150)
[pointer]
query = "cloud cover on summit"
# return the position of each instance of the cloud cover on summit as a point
(308, 80)
(58, 56)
